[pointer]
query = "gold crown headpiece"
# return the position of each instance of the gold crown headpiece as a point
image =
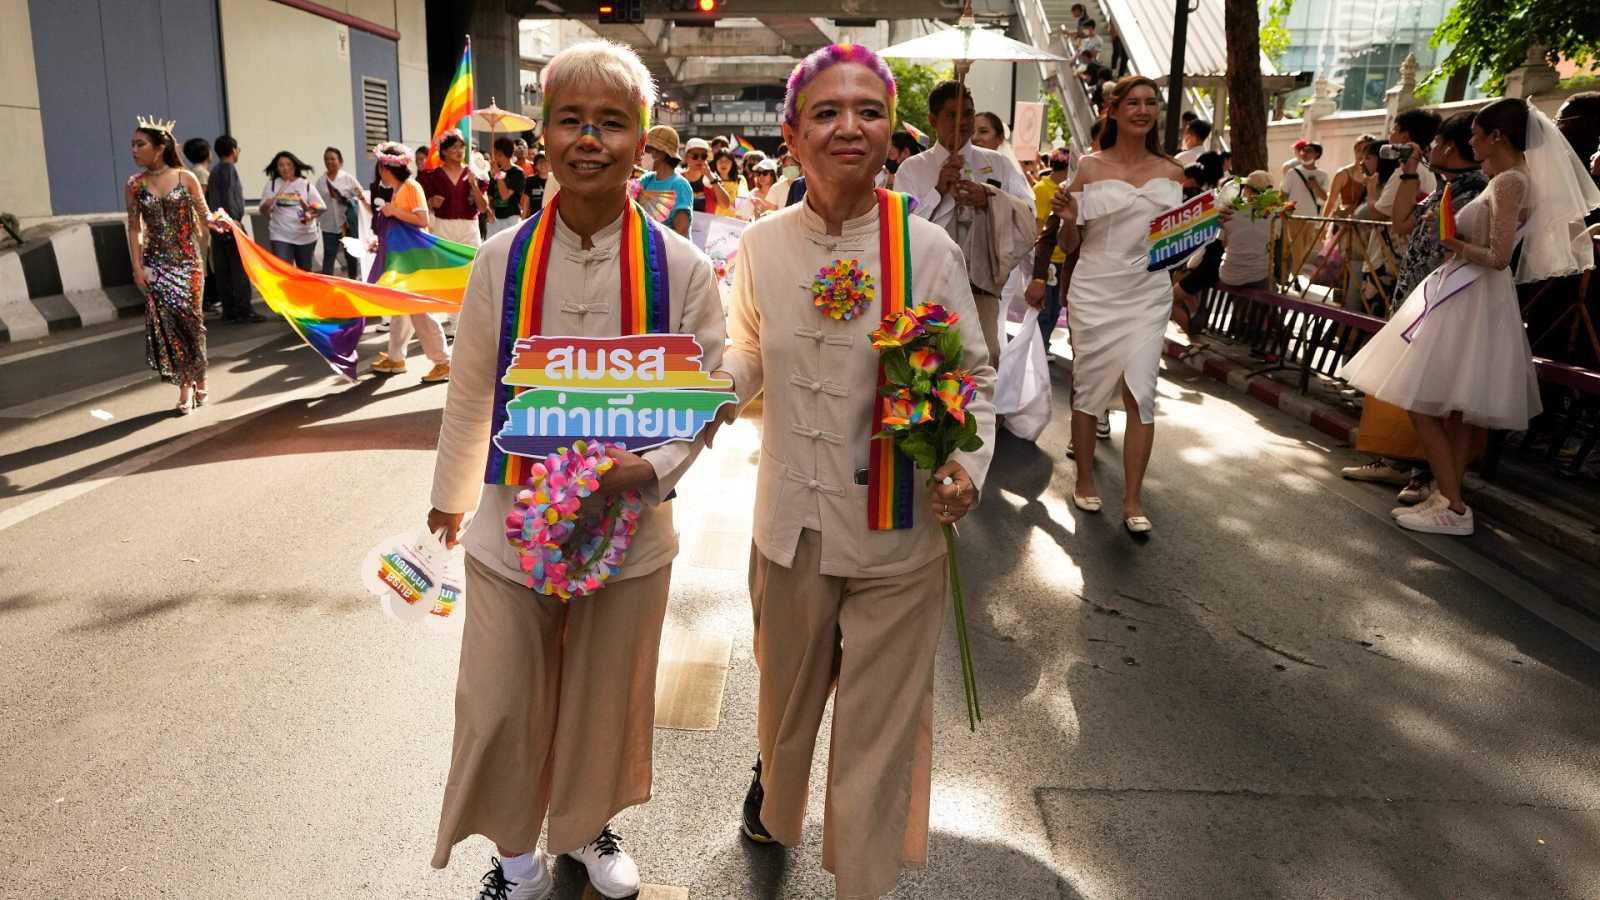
(164, 125)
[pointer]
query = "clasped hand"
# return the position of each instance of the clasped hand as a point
(954, 500)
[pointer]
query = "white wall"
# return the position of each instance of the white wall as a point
(24, 181)
(416, 125)
(288, 81)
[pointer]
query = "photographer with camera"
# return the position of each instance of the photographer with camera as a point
(1409, 138)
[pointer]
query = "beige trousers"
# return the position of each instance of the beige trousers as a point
(555, 712)
(989, 320)
(875, 639)
(428, 331)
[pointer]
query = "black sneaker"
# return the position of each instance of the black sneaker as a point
(752, 827)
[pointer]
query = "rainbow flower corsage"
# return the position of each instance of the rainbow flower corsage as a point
(841, 289)
(565, 554)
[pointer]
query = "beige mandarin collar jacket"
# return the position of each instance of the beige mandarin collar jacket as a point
(583, 299)
(818, 377)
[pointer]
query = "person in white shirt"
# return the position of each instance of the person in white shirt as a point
(978, 196)
(1307, 186)
(1410, 135)
(341, 190)
(293, 209)
(555, 701)
(1195, 133)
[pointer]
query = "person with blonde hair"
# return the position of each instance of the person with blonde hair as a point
(555, 701)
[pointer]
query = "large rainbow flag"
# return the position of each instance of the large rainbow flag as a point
(742, 146)
(412, 260)
(456, 112)
(327, 312)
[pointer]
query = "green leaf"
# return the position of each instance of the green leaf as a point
(919, 447)
(897, 368)
(950, 345)
(970, 443)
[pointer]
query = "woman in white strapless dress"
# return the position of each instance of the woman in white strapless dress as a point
(1456, 355)
(1118, 311)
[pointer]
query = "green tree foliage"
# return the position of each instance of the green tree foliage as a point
(912, 82)
(1275, 37)
(1492, 37)
(1056, 126)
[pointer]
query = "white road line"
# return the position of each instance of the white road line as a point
(51, 499)
(68, 345)
(55, 403)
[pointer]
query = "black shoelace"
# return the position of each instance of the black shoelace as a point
(495, 884)
(608, 843)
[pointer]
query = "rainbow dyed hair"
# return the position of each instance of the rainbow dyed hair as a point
(807, 70)
(605, 64)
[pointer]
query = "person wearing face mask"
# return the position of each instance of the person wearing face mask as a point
(843, 604)
(791, 183)
(555, 701)
(977, 195)
(662, 191)
(1307, 186)
(902, 146)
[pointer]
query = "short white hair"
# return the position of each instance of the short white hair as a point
(602, 63)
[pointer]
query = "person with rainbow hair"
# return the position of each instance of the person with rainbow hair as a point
(848, 572)
(555, 701)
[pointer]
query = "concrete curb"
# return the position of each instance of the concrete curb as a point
(1572, 536)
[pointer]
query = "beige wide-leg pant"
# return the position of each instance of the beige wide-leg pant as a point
(428, 332)
(875, 638)
(555, 711)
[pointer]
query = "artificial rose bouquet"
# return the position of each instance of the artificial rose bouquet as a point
(926, 395)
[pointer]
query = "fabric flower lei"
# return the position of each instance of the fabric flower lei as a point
(564, 554)
(842, 290)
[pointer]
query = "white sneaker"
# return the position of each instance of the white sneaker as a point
(1102, 427)
(1378, 471)
(1417, 490)
(612, 872)
(497, 886)
(1433, 501)
(1439, 520)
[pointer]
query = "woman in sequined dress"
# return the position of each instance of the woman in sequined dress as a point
(167, 216)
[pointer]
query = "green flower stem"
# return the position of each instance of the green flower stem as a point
(969, 682)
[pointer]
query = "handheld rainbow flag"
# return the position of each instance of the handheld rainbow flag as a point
(1447, 215)
(455, 114)
(327, 312)
(742, 146)
(915, 132)
(412, 260)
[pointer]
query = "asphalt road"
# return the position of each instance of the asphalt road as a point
(1280, 695)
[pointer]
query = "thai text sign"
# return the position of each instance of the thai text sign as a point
(1183, 229)
(639, 391)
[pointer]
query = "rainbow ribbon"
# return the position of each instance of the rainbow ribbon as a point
(891, 474)
(646, 308)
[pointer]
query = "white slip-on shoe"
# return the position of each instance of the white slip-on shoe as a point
(1088, 504)
(498, 886)
(1434, 501)
(1439, 520)
(1138, 526)
(612, 872)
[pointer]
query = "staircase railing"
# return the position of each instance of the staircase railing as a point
(1080, 114)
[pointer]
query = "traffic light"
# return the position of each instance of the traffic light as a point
(694, 12)
(621, 12)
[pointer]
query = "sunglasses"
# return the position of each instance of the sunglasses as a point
(697, 156)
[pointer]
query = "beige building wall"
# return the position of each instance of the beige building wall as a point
(288, 82)
(24, 182)
(416, 123)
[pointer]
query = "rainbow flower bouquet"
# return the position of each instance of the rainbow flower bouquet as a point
(925, 395)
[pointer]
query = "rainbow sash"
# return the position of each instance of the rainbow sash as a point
(645, 307)
(891, 475)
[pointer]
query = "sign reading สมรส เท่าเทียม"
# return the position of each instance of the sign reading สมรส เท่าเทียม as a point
(1183, 229)
(639, 391)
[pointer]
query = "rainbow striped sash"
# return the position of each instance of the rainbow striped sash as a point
(891, 485)
(646, 307)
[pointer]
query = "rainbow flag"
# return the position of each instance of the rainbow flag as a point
(915, 132)
(328, 313)
(742, 146)
(412, 260)
(1447, 215)
(456, 112)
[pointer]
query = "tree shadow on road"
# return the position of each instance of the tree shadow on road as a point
(77, 443)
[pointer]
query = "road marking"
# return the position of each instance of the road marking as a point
(44, 406)
(51, 499)
(68, 345)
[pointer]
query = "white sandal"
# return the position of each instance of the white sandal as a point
(1087, 504)
(1138, 525)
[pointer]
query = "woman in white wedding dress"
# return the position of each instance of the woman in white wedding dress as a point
(1117, 311)
(1456, 355)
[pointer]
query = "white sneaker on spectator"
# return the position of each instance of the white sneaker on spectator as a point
(1439, 520)
(1416, 491)
(612, 872)
(1378, 470)
(533, 885)
(1102, 426)
(1433, 500)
